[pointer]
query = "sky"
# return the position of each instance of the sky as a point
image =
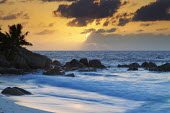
(90, 24)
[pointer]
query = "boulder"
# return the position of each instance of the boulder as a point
(22, 58)
(134, 65)
(15, 91)
(164, 67)
(55, 71)
(130, 65)
(132, 69)
(70, 75)
(148, 65)
(84, 61)
(123, 65)
(73, 65)
(96, 64)
(12, 71)
(3, 61)
(55, 62)
(87, 70)
(34, 60)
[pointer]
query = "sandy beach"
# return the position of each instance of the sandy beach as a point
(9, 106)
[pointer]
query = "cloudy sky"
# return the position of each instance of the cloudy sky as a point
(91, 24)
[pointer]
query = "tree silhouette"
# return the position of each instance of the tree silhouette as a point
(14, 38)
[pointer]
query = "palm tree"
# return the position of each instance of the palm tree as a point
(14, 39)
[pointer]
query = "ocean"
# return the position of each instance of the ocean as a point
(111, 90)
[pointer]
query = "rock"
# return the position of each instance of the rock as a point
(145, 64)
(134, 65)
(3, 61)
(164, 67)
(87, 70)
(12, 71)
(96, 64)
(123, 65)
(22, 90)
(148, 65)
(22, 58)
(55, 71)
(34, 60)
(15, 91)
(132, 69)
(55, 62)
(70, 75)
(73, 65)
(84, 61)
(130, 65)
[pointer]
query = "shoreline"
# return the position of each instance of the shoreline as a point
(9, 106)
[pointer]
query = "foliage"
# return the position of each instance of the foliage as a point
(14, 38)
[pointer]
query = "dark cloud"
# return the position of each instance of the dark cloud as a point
(106, 23)
(80, 22)
(163, 29)
(51, 25)
(140, 30)
(98, 31)
(3, 1)
(57, 0)
(45, 32)
(123, 21)
(88, 31)
(15, 16)
(99, 41)
(86, 11)
(125, 2)
(159, 10)
(146, 24)
(106, 31)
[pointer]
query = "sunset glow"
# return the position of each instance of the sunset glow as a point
(50, 29)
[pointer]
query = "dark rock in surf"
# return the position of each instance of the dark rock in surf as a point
(163, 68)
(73, 65)
(96, 64)
(14, 71)
(55, 62)
(70, 75)
(136, 65)
(132, 69)
(15, 91)
(148, 65)
(88, 69)
(55, 71)
(123, 65)
(84, 61)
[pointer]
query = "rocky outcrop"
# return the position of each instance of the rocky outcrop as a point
(163, 68)
(3, 61)
(73, 65)
(85, 62)
(14, 71)
(55, 71)
(148, 65)
(96, 64)
(132, 65)
(136, 65)
(57, 63)
(15, 91)
(88, 69)
(24, 59)
(132, 69)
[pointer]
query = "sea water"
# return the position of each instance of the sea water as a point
(111, 90)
